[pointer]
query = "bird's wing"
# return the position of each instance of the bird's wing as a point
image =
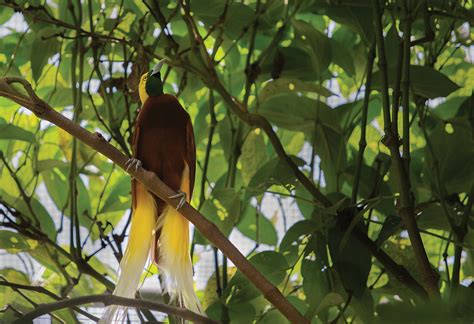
(190, 154)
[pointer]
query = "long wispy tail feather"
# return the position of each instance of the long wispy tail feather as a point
(136, 254)
(174, 260)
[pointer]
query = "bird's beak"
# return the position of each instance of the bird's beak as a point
(156, 69)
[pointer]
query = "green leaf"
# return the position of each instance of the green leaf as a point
(293, 112)
(358, 18)
(223, 209)
(342, 57)
(424, 81)
(241, 313)
(294, 234)
(12, 132)
(315, 43)
(208, 9)
(304, 201)
(274, 172)
(48, 164)
(451, 107)
(253, 154)
(14, 242)
(282, 85)
(263, 233)
(6, 294)
(353, 271)
(290, 62)
(315, 273)
(331, 299)
(119, 197)
(455, 165)
(57, 184)
(271, 264)
(293, 142)
(5, 14)
(48, 47)
(329, 144)
(391, 225)
(239, 16)
(273, 13)
(37, 211)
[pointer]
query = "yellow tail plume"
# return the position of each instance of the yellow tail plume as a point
(137, 252)
(174, 260)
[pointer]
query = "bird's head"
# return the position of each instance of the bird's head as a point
(150, 83)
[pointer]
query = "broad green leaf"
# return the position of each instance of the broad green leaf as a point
(14, 242)
(433, 216)
(37, 212)
(391, 225)
(295, 233)
(315, 273)
(49, 164)
(451, 107)
(331, 299)
(257, 227)
(5, 14)
(358, 18)
(118, 198)
(57, 184)
(208, 9)
(7, 295)
(424, 81)
(293, 142)
(342, 57)
(353, 271)
(12, 132)
(281, 85)
(271, 264)
(239, 16)
(294, 112)
(39, 58)
(304, 201)
(223, 209)
(315, 42)
(274, 172)
(290, 62)
(455, 165)
(253, 154)
(273, 13)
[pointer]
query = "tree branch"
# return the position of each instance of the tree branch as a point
(46, 292)
(156, 186)
(113, 300)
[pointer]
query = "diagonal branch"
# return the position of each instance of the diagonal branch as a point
(155, 185)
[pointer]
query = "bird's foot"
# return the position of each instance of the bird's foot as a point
(182, 199)
(132, 162)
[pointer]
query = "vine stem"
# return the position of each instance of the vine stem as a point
(405, 205)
